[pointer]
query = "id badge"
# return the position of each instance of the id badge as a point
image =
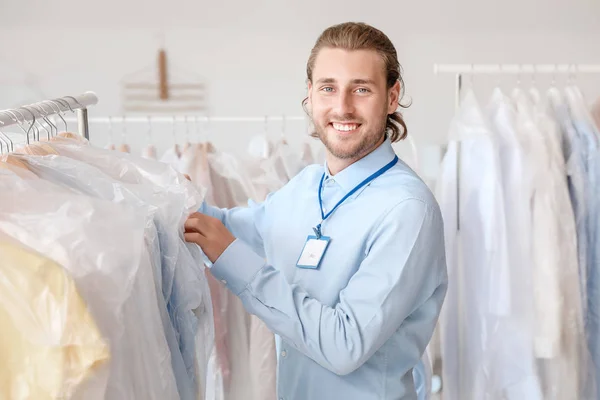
(313, 252)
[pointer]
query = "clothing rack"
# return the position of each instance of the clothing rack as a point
(39, 111)
(192, 118)
(459, 70)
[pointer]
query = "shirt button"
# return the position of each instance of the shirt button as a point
(283, 353)
(224, 282)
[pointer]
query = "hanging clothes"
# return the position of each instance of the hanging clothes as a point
(245, 358)
(519, 237)
(515, 361)
(165, 329)
(478, 271)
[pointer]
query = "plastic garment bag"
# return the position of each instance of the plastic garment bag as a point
(99, 244)
(184, 285)
(144, 309)
(50, 342)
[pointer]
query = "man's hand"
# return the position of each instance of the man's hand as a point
(209, 233)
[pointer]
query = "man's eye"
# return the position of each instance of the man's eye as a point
(327, 89)
(362, 90)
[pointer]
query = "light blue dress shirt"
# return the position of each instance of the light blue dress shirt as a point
(357, 326)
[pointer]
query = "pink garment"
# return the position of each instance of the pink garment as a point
(245, 347)
(149, 152)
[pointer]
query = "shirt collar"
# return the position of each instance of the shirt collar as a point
(353, 175)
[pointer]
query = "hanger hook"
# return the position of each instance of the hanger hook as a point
(17, 120)
(46, 114)
(42, 113)
(54, 112)
(32, 126)
(75, 100)
(66, 103)
(58, 112)
(7, 140)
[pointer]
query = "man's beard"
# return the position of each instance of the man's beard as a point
(367, 142)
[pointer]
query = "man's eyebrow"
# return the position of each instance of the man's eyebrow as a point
(326, 80)
(357, 81)
(363, 81)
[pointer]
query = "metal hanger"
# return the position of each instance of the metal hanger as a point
(44, 117)
(36, 130)
(53, 128)
(58, 112)
(26, 132)
(7, 139)
(3, 140)
(76, 102)
(65, 103)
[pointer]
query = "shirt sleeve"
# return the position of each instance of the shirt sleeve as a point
(400, 284)
(243, 222)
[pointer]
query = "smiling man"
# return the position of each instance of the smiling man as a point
(346, 263)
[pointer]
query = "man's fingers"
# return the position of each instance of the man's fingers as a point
(197, 214)
(195, 237)
(196, 224)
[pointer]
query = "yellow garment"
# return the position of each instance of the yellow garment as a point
(49, 342)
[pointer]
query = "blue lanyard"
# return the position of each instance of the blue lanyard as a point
(360, 185)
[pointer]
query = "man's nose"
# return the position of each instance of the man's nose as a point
(345, 104)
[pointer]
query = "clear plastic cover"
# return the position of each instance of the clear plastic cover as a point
(185, 306)
(187, 293)
(50, 342)
(98, 243)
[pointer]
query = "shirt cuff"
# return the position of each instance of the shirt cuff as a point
(237, 266)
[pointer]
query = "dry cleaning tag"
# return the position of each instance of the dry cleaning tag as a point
(313, 251)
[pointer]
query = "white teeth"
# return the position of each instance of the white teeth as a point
(345, 127)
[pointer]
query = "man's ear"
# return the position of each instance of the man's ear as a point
(394, 97)
(306, 104)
